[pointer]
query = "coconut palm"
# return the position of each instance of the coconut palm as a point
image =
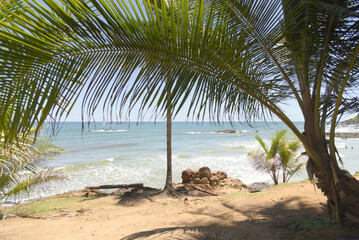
(24, 170)
(289, 161)
(229, 58)
(276, 158)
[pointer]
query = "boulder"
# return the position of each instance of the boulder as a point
(259, 186)
(236, 183)
(214, 179)
(195, 173)
(205, 172)
(204, 181)
(220, 174)
(196, 181)
(204, 176)
(186, 176)
(214, 184)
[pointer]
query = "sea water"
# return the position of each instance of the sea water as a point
(136, 153)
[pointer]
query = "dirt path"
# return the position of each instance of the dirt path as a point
(290, 211)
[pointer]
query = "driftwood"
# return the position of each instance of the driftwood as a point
(138, 185)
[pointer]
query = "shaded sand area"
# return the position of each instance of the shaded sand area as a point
(286, 211)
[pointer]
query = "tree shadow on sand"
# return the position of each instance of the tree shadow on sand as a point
(273, 220)
(137, 196)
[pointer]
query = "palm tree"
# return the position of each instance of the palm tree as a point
(24, 170)
(279, 157)
(290, 163)
(235, 58)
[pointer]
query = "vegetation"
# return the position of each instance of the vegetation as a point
(277, 158)
(234, 58)
(352, 121)
(54, 205)
(24, 170)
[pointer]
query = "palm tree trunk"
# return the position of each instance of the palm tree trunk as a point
(169, 150)
(341, 189)
(169, 185)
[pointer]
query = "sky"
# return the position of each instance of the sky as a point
(290, 107)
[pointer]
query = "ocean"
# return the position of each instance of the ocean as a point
(136, 153)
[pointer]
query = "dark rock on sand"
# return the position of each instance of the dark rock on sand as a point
(186, 175)
(205, 172)
(259, 186)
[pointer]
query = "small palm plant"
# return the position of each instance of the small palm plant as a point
(23, 167)
(290, 162)
(276, 158)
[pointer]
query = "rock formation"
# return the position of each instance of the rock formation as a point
(226, 131)
(205, 176)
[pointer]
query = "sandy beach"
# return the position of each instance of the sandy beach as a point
(285, 211)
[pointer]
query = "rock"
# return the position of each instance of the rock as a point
(259, 186)
(186, 176)
(214, 179)
(204, 176)
(205, 172)
(90, 192)
(204, 181)
(226, 131)
(236, 183)
(196, 181)
(195, 173)
(220, 174)
(81, 210)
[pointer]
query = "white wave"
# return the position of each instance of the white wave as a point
(341, 145)
(111, 159)
(247, 144)
(344, 129)
(109, 130)
(194, 132)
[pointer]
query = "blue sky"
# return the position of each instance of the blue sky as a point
(291, 108)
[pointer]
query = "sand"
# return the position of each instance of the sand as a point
(286, 211)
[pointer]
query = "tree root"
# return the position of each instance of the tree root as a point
(171, 192)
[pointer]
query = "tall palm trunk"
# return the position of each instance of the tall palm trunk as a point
(169, 150)
(169, 184)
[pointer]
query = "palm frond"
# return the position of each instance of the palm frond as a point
(30, 184)
(234, 59)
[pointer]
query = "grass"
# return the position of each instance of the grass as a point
(310, 223)
(233, 196)
(47, 207)
(356, 174)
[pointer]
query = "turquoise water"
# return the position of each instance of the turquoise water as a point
(136, 153)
